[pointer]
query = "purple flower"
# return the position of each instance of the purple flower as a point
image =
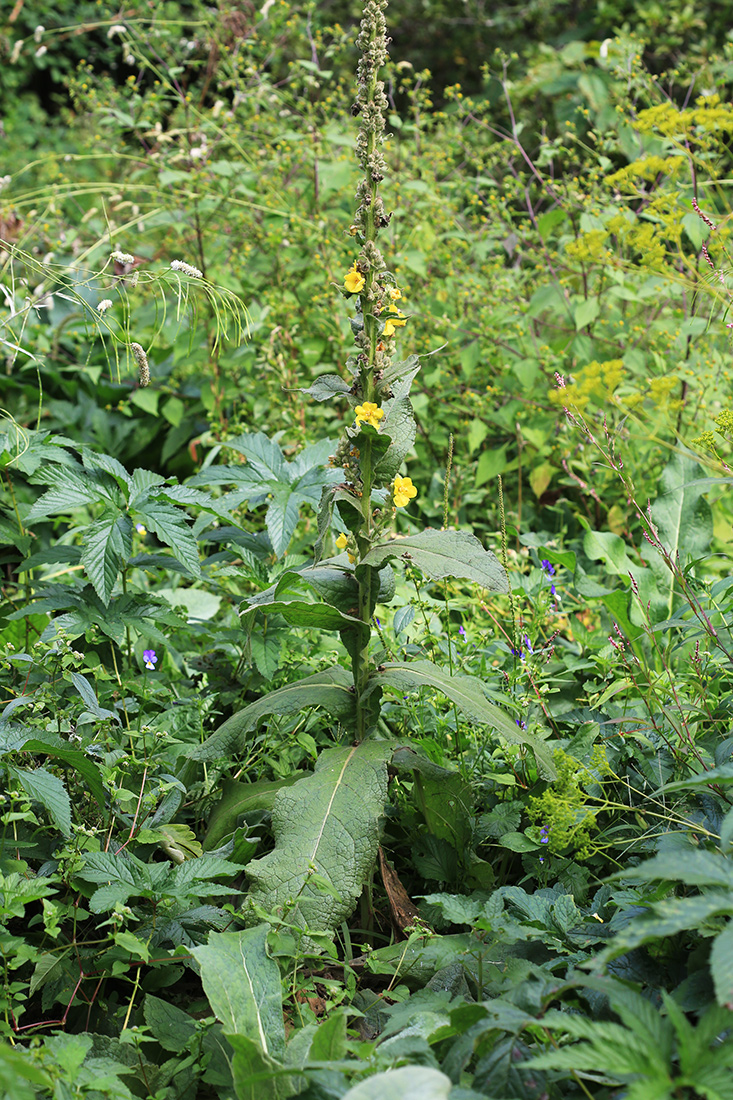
(522, 725)
(150, 658)
(528, 644)
(544, 838)
(548, 567)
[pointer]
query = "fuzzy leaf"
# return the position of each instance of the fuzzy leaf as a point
(400, 426)
(441, 554)
(243, 986)
(329, 689)
(326, 387)
(241, 798)
(326, 830)
(468, 694)
(406, 1083)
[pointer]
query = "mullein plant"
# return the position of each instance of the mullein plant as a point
(326, 825)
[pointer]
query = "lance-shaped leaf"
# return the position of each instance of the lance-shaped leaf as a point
(238, 799)
(441, 554)
(243, 986)
(326, 837)
(468, 694)
(332, 690)
(106, 546)
(47, 789)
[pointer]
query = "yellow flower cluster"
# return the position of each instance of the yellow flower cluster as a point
(403, 491)
(342, 542)
(394, 323)
(354, 281)
(369, 413)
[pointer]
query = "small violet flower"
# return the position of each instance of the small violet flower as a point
(522, 725)
(141, 529)
(548, 567)
(150, 658)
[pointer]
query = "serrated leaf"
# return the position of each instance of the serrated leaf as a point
(332, 690)
(441, 554)
(282, 517)
(326, 830)
(694, 868)
(243, 986)
(43, 787)
(70, 490)
(468, 694)
(170, 1025)
(105, 547)
(73, 758)
(172, 528)
(670, 917)
(264, 454)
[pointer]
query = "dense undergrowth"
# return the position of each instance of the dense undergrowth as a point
(290, 806)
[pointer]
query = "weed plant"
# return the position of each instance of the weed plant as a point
(305, 791)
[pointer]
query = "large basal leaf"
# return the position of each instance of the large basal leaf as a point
(441, 554)
(331, 690)
(321, 616)
(406, 1083)
(105, 547)
(256, 1075)
(47, 789)
(326, 830)
(468, 694)
(242, 984)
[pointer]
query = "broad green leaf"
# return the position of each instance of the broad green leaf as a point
(282, 517)
(172, 528)
(43, 787)
(585, 313)
(670, 917)
(441, 554)
(721, 966)
(326, 387)
(71, 489)
(241, 798)
(468, 694)
(326, 830)
(110, 465)
(106, 546)
(330, 689)
(73, 758)
(264, 454)
(170, 1025)
(256, 1075)
(693, 868)
(242, 984)
(406, 1083)
(401, 427)
(321, 616)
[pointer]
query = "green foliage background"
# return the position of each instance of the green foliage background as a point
(550, 766)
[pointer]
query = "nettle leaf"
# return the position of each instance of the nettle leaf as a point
(467, 693)
(326, 387)
(71, 489)
(243, 986)
(93, 461)
(332, 690)
(441, 554)
(106, 546)
(263, 453)
(282, 517)
(43, 787)
(326, 830)
(172, 528)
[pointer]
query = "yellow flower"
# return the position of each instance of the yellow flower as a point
(394, 322)
(341, 542)
(395, 293)
(354, 281)
(403, 491)
(369, 413)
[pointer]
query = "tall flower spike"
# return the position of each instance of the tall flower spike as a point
(142, 363)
